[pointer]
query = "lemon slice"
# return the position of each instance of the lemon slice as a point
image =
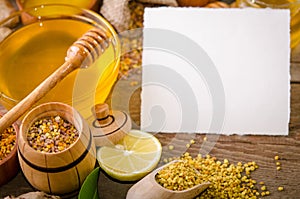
(137, 154)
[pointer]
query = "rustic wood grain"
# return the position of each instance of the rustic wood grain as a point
(295, 72)
(295, 65)
(295, 54)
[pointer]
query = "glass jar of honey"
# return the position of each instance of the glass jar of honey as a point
(37, 45)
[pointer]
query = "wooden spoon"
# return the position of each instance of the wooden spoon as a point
(81, 54)
(148, 188)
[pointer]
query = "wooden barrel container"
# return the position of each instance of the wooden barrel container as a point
(60, 173)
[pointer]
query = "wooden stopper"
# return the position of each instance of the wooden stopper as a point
(110, 126)
(102, 113)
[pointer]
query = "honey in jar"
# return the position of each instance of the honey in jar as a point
(34, 51)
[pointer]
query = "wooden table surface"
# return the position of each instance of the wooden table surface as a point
(235, 148)
(260, 149)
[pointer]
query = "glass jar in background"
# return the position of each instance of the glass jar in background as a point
(87, 4)
(37, 46)
(293, 5)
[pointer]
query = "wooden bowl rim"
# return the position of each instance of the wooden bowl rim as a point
(14, 151)
(22, 134)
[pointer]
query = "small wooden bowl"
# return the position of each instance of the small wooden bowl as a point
(9, 166)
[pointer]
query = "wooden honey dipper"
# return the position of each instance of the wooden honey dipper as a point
(81, 54)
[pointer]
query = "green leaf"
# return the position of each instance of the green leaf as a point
(89, 187)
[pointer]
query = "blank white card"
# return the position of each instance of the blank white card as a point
(216, 71)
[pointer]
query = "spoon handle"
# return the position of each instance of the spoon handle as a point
(41, 90)
(82, 53)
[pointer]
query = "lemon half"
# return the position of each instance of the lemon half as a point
(136, 155)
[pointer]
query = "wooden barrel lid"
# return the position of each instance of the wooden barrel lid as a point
(109, 126)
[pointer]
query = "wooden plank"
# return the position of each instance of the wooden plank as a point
(295, 65)
(295, 72)
(295, 54)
